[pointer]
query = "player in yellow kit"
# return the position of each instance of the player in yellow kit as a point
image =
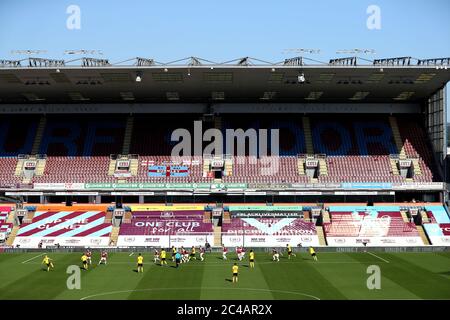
(48, 262)
(192, 255)
(312, 252)
(163, 257)
(289, 251)
(235, 270)
(84, 261)
(174, 252)
(251, 257)
(140, 263)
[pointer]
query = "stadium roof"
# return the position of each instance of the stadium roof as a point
(240, 80)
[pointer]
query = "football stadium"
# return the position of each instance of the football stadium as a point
(193, 179)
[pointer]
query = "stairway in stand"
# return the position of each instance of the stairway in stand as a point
(128, 134)
(12, 236)
(321, 236)
(308, 135)
(325, 216)
(114, 236)
(39, 134)
(423, 235)
(217, 236)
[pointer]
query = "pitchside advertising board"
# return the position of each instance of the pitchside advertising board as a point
(374, 241)
(265, 214)
(269, 241)
(164, 241)
(180, 171)
(33, 242)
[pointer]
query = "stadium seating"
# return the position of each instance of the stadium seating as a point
(373, 225)
(438, 227)
(356, 149)
(5, 227)
(160, 223)
(269, 226)
(164, 229)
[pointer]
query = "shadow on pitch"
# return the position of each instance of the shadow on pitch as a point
(229, 280)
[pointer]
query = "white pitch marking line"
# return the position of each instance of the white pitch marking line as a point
(34, 257)
(219, 264)
(373, 254)
(131, 254)
(197, 288)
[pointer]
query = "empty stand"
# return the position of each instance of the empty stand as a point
(355, 148)
(370, 225)
(67, 228)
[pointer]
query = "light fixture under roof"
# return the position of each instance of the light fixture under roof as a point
(77, 96)
(32, 96)
(325, 77)
(375, 77)
(359, 95)
(138, 76)
(218, 77)
(405, 95)
(127, 96)
(167, 76)
(116, 76)
(301, 78)
(218, 95)
(424, 77)
(268, 95)
(314, 95)
(172, 96)
(276, 77)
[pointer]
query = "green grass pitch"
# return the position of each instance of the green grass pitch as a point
(334, 276)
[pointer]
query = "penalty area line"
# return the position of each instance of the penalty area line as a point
(34, 257)
(373, 254)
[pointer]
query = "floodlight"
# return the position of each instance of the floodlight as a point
(138, 76)
(301, 78)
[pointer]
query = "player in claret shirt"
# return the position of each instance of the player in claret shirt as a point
(89, 256)
(156, 256)
(224, 252)
(103, 257)
(238, 253)
(185, 256)
(275, 255)
(202, 253)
